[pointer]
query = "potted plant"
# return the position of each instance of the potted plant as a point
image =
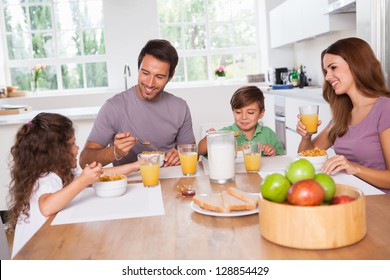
(220, 71)
(36, 73)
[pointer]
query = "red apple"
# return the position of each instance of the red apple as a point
(341, 199)
(306, 192)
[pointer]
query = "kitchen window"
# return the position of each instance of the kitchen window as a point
(65, 36)
(210, 33)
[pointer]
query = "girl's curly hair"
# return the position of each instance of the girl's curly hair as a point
(41, 146)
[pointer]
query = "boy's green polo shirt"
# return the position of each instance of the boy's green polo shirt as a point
(263, 134)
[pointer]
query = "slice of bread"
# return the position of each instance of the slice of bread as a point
(211, 202)
(233, 203)
(233, 199)
(243, 195)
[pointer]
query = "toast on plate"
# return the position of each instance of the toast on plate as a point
(233, 199)
(242, 195)
(211, 202)
(233, 203)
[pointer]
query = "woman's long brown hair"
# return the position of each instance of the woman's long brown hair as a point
(367, 73)
(41, 146)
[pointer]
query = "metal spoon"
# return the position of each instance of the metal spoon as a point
(146, 143)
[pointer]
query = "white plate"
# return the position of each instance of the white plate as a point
(200, 210)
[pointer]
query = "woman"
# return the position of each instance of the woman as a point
(355, 89)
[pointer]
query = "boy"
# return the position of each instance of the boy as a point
(247, 104)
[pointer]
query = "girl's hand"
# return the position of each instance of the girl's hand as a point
(268, 150)
(339, 163)
(91, 173)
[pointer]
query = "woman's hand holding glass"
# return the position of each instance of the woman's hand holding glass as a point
(301, 128)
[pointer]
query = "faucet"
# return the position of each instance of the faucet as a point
(126, 74)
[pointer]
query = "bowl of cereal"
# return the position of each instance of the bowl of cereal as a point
(110, 185)
(316, 156)
(161, 154)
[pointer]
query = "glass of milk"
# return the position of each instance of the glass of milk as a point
(221, 151)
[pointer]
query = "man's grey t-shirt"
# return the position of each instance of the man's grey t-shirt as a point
(165, 122)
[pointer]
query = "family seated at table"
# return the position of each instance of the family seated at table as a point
(45, 153)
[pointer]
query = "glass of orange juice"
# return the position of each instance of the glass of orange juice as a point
(188, 154)
(252, 155)
(309, 117)
(150, 169)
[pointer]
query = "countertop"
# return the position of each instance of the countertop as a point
(80, 113)
(311, 93)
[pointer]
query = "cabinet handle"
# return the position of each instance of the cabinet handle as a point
(291, 129)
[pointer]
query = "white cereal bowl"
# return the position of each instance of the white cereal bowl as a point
(317, 161)
(111, 188)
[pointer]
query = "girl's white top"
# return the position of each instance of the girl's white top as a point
(24, 230)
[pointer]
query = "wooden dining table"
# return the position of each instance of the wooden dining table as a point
(183, 234)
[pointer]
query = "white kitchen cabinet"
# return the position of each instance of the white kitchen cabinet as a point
(269, 116)
(296, 20)
(292, 110)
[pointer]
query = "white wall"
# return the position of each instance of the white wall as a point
(308, 53)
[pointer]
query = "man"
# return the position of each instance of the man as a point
(145, 117)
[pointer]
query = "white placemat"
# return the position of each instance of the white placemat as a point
(138, 201)
(350, 180)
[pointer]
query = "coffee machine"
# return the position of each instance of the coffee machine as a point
(278, 75)
(274, 75)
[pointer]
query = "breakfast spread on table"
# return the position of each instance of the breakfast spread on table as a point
(233, 199)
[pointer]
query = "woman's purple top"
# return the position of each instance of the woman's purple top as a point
(361, 143)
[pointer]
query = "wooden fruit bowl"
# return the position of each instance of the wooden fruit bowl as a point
(315, 227)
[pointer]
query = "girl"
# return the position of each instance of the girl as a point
(43, 181)
(355, 89)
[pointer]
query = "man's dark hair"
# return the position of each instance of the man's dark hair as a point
(162, 50)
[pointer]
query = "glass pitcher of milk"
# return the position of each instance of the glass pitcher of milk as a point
(221, 151)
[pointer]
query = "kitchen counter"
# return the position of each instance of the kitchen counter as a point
(82, 113)
(310, 93)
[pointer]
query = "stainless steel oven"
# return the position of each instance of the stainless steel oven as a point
(280, 119)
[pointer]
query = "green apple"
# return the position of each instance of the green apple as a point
(275, 187)
(327, 184)
(300, 169)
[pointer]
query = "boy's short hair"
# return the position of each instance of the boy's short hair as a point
(245, 96)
